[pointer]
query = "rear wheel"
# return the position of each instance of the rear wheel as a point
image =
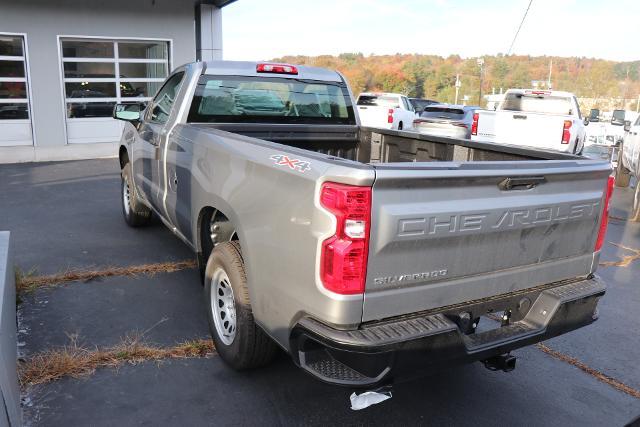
(239, 341)
(400, 126)
(623, 176)
(135, 213)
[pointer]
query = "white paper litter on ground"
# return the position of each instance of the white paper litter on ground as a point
(368, 398)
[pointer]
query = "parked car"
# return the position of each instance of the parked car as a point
(419, 104)
(358, 250)
(544, 119)
(385, 111)
(629, 165)
(453, 121)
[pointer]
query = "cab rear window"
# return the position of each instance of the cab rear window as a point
(379, 101)
(535, 103)
(231, 99)
(443, 113)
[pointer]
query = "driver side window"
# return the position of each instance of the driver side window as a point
(160, 108)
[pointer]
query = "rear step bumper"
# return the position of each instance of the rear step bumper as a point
(420, 344)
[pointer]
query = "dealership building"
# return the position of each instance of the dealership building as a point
(65, 63)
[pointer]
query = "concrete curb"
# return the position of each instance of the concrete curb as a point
(10, 412)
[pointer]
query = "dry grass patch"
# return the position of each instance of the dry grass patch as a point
(626, 259)
(30, 282)
(77, 361)
(593, 372)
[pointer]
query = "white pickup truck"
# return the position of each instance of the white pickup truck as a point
(549, 120)
(629, 164)
(386, 111)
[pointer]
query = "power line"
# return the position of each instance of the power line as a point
(518, 32)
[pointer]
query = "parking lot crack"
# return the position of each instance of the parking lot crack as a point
(626, 259)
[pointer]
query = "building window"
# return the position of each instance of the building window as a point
(100, 73)
(14, 99)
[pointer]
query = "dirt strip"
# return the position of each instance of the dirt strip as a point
(77, 361)
(593, 372)
(28, 282)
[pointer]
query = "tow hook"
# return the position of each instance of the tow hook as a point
(503, 362)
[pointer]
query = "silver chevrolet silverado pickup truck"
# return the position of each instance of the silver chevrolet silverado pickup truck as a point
(369, 255)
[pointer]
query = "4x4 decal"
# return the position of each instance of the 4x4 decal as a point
(295, 164)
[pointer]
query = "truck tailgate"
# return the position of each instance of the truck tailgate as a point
(371, 115)
(522, 128)
(448, 233)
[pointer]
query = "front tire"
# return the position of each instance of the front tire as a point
(239, 341)
(135, 213)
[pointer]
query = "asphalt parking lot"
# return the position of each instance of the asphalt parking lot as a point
(67, 215)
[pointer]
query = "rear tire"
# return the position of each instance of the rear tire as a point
(400, 126)
(239, 341)
(623, 176)
(135, 213)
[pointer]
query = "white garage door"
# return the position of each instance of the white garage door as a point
(100, 73)
(15, 123)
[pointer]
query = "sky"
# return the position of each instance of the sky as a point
(266, 29)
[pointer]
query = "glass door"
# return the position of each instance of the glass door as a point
(100, 73)
(15, 123)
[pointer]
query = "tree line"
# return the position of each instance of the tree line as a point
(434, 77)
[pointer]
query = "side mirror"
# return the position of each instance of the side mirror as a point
(127, 112)
(586, 121)
(627, 125)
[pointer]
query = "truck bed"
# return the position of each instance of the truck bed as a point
(373, 145)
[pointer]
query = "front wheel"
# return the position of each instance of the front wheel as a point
(135, 213)
(239, 341)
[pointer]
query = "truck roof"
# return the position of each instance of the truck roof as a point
(542, 92)
(248, 69)
(380, 94)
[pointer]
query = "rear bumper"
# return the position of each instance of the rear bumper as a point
(416, 345)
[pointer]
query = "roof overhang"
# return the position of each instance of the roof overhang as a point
(217, 3)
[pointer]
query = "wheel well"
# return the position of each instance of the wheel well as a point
(123, 155)
(213, 227)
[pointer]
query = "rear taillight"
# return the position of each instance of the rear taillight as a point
(474, 124)
(390, 116)
(566, 131)
(343, 261)
(605, 214)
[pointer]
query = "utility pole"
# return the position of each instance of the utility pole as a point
(480, 64)
(458, 85)
(550, 68)
(638, 105)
